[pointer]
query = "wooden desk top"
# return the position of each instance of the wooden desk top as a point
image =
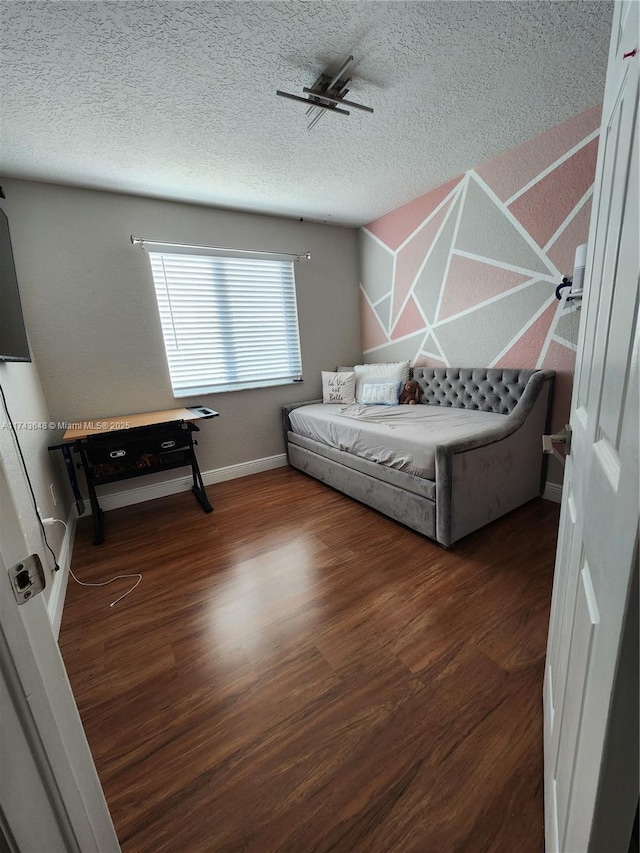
(83, 429)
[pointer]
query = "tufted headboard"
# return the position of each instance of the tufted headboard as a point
(481, 388)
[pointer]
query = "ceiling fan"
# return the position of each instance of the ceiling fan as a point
(326, 93)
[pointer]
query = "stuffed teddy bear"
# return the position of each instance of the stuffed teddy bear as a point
(410, 395)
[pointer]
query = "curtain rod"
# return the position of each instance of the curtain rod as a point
(142, 242)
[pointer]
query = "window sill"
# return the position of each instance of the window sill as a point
(245, 386)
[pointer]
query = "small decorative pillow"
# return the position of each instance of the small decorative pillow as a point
(338, 387)
(380, 393)
(395, 371)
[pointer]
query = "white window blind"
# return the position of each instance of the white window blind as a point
(228, 322)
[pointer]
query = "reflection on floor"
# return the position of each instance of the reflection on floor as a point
(297, 672)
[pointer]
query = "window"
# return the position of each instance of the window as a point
(228, 322)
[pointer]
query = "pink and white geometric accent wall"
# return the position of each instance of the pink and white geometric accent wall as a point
(465, 275)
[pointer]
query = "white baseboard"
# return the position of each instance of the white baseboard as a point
(139, 494)
(55, 604)
(552, 492)
(243, 469)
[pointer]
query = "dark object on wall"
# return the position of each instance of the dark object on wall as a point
(566, 282)
(14, 345)
(576, 281)
(633, 844)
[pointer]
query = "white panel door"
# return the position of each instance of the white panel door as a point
(51, 800)
(29, 820)
(598, 539)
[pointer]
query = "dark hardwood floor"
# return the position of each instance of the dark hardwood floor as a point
(298, 673)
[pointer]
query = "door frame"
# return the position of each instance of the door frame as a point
(604, 764)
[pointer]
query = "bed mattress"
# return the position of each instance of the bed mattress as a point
(401, 437)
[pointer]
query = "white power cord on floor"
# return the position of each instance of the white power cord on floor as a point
(49, 521)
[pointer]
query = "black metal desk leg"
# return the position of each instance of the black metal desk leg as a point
(198, 487)
(98, 514)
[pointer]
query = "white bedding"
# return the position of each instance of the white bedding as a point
(402, 437)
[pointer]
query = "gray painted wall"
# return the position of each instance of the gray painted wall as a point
(91, 313)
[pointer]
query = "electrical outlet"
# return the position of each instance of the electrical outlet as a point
(53, 494)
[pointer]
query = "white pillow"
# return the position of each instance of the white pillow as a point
(338, 387)
(380, 393)
(395, 371)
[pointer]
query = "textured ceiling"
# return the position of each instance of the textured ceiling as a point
(177, 99)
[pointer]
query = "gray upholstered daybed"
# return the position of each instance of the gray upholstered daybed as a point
(465, 476)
